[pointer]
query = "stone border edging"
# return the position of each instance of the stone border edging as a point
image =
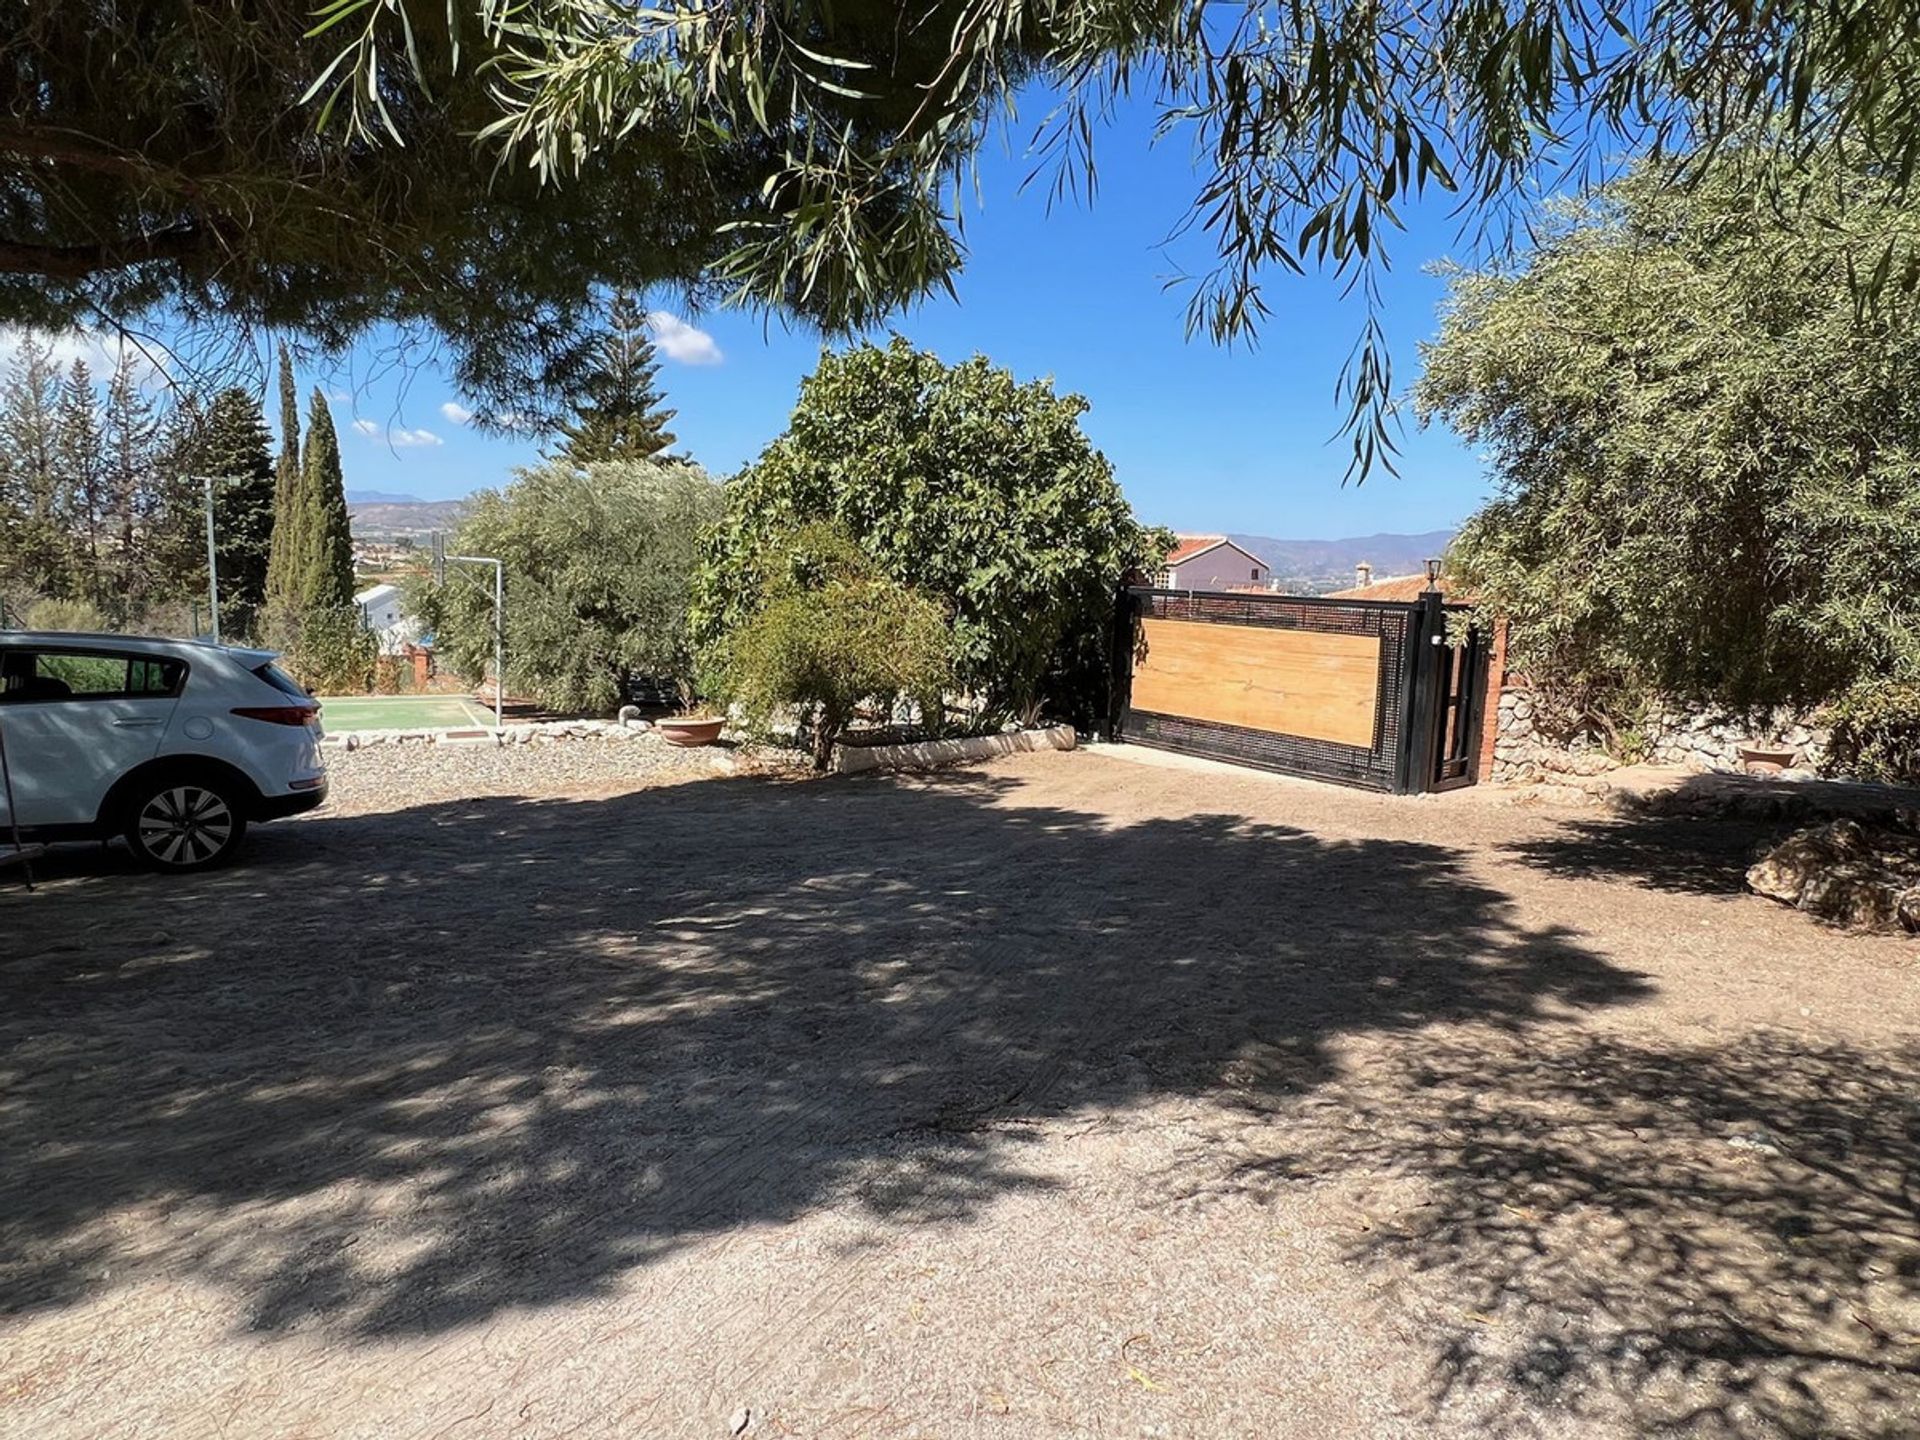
(927, 754)
(540, 732)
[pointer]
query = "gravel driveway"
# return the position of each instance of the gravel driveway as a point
(1068, 1096)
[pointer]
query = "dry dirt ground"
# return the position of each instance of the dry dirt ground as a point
(1066, 1097)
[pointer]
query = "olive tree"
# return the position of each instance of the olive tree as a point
(967, 485)
(1707, 450)
(598, 560)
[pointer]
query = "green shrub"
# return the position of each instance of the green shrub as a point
(332, 653)
(66, 615)
(829, 634)
(1876, 731)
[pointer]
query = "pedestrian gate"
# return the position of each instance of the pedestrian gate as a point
(1380, 694)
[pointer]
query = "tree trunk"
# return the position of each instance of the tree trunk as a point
(826, 729)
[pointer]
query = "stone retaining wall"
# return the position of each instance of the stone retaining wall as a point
(1700, 738)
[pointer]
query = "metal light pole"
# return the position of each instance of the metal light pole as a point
(213, 564)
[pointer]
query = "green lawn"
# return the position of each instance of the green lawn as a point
(402, 712)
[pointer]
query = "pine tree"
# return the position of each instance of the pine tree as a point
(38, 551)
(80, 462)
(326, 543)
(618, 414)
(173, 528)
(232, 449)
(288, 500)
(130, 434)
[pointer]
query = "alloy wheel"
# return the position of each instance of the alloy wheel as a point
(185, 825)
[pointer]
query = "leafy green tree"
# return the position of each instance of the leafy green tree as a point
(618, 415)
(289, 499)
(827, 632)
(323, 577)
(598, 561)
(1707, 454)
(970, 487)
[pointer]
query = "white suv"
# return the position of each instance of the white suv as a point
(172, 744)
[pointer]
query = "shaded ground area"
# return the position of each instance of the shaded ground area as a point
(1064, 1097)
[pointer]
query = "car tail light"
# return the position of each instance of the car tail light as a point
(280, 714)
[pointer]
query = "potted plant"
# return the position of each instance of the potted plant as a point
(689, 729)
(1767, 757)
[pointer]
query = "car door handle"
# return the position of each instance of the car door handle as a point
(134, 724)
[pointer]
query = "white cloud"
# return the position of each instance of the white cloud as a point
(456, 412)
(680, 341)
(397, 436)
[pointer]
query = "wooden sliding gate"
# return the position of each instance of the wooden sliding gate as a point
(1372, 693)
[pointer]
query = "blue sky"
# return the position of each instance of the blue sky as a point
(1201, 437)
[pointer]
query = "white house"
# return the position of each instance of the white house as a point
(1212, 562)
(383, 611)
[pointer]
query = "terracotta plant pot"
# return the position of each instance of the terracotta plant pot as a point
(1767, 759)
(689, 730)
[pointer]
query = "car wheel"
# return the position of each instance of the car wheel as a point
(182, 824)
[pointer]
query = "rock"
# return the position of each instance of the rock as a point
(1852, 895)
(739, 1420)
(1845, 874)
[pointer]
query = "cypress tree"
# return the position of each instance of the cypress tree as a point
(287, 498)
(618, 413)
(326, 541)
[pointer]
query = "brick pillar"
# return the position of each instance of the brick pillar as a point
(1490, 702)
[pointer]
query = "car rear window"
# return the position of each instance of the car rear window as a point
(283, 682)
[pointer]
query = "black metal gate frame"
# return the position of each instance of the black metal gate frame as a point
(1408, 715)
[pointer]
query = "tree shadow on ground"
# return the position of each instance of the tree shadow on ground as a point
(1687, 856)
(1699, 836)
(1703, 1241)
(400, 1071)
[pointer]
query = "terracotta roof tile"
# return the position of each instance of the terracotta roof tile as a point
(1191, 545)
(1394, 587)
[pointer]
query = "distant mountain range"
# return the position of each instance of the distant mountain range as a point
(377, 515)
(1306, 567)
(1313, 567)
